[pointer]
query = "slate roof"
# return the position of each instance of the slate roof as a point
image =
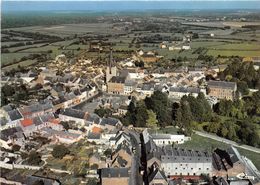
(117, 79)
(171, 154)
(185, 90)
(120, 161)
(157, 174)
(123, 147)
(14, 115)
(47, 117)
(11, 132)
(234, 154)
(37, 121)
(222, 84)
(109, 121)
(92, 135)
(73, 113)
(47, 181)
(161, 136)
(114, 172)
(3, 121)
(7, 108)
(93, 118)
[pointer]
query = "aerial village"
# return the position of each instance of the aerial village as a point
(111, 152)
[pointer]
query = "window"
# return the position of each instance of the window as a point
(194, 174)
(176, 168)
(199, 168)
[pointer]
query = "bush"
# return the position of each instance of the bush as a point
(59, 151)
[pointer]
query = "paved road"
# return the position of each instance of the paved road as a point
(221, 139)
(135, 178)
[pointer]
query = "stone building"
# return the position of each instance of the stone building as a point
(222, 89)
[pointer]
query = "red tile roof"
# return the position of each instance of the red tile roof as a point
(55, 121)
(96, 130)
(26, 122)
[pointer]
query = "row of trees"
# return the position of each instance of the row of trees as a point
(233, 120)
(243, 73)
(151, 112)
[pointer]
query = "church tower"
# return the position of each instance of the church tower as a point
(111, 67)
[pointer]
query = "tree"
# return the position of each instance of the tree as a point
(94, 166)
(102, 112)
(38, 182)
(59, 151)
(8, 90)
(92, 181)
(16, 148)
(34, 158)
(151, 122)
(184, 116)
(140, 115)
(159, 104)
(65, 125)
(108, 152)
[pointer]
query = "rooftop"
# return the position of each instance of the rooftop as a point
(222, 84)
(114, 172)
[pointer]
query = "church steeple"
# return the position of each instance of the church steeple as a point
(111, 60)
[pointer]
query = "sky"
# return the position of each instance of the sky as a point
(124, 5)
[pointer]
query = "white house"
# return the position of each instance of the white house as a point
(169, 139)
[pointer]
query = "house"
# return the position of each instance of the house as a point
(32, 179)
(177, 162)
(95, 137)
(27, 126)
(34, 110)
(179, 92)
(124, 152)
(110, 123)
(122, 137)
(116, 85)
(222, 89)
(129, 86)
(110, 176)
(96, 159)
(157, 177)
(11, 135)
(60, 136)
(168, 139)
(14, 117)
(122, 110)
(227, 163)
(149, 58)
(74, 115)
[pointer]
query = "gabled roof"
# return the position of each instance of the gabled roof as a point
(73, 113)
(93, 118)
(124, 147)
(158, 175)
(234, 154)
(47, 117)
(109, 121)
(222, 84)
(122, 162)
(37, 121)
(26, 122)
(92, 135)
(14, 115)
(114, 172)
